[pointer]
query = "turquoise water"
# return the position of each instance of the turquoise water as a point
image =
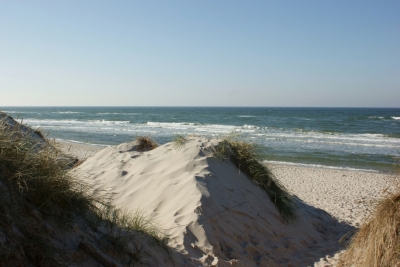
(359, 138)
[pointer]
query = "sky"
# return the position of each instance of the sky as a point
(200, 53)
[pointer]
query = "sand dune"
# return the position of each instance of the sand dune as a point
(214, 214)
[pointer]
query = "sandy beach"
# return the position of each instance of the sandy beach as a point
(347, 195)
(80, 151)
(183, 190)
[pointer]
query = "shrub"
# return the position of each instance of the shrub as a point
(145, 143)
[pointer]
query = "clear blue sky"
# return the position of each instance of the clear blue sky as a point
(200, 53)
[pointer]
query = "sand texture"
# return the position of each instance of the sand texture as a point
(216, 216)
(79, 151)
(349, 196)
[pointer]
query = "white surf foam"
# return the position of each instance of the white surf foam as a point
(66, 112)
(317, 166)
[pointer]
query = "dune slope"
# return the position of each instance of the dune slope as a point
(214, 214)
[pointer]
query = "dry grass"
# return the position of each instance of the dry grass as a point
(33, 182)
(247, 157)
(40, 133)
(377, 243)
(145, 143)
(41, 204)
(121, 234)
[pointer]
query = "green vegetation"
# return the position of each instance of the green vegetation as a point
(377, 242)
(247, 158)
(145, 143)
(179, 142)
(42, 205)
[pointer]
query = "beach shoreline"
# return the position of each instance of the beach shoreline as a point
(78, 150)
(348, 195)
(85, 150)
(361, 139)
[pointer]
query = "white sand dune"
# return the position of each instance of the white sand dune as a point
(214, 214)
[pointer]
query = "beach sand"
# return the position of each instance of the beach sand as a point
(216, 217)
(80, 151)
(349, 196)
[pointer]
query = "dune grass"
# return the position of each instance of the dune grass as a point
(40, 202)
(179, 142)
(145, 143)
(247, 157)
(124, 232)
(377, 242)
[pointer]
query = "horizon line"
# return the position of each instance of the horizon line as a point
(144, 106)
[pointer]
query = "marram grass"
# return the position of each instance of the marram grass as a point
(179, 142)
(247, 158)
(40, 201)
(377, 242)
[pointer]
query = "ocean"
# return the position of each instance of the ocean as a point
(349, 138)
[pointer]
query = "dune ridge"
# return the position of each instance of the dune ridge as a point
(214, 214)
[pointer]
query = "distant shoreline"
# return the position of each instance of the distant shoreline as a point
(360, 139)
(80, 151)
(299, 179)
(85, 150)
(316, 107)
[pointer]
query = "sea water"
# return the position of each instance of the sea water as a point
(352, 138)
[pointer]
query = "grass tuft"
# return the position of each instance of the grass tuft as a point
(122, 233)
(179, 142)
(41, 203)
(145, 143)
(377, 242)
(247, 157)
(40, 133)
(33, 182)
